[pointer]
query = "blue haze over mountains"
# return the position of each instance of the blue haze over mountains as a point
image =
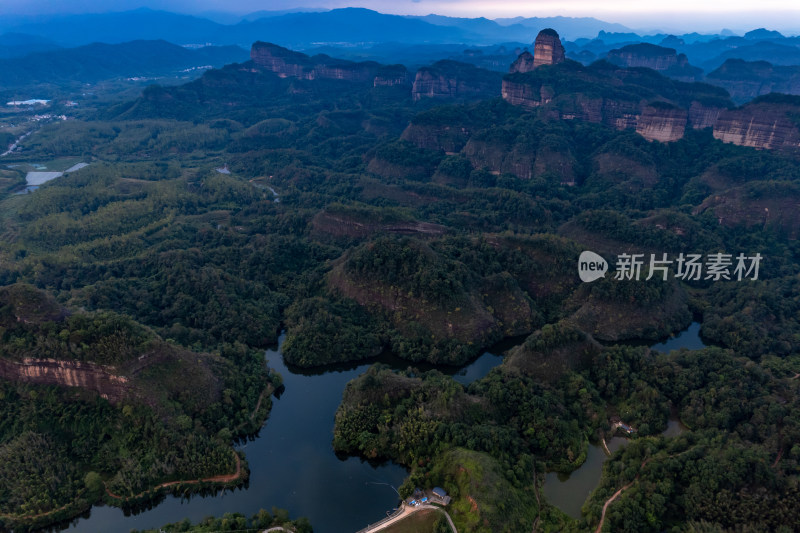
(64, 47)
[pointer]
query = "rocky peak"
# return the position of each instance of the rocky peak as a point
(547, 49)
(524, 63)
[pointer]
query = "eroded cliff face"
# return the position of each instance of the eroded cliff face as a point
(573, 92)
(547, 49)
(283, 62)
(644, 55)
(289, 64)
(392, 76)
(524, 63)
(67, 374)
(703, 116)
(745, 80)
(759, 125)
(453, 80)
(525, 95)
(661, 124)
(661, 59)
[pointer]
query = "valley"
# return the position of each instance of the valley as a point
(361, 278)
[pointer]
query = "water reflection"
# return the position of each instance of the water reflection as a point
(569, 492)
(688, 338)
(292, 462)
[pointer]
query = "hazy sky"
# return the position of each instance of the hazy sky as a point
(686, 15)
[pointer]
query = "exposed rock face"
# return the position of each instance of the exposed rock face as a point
(391, 76)
(67, 374)
(454, 80)
(525, 95)
(289, 64)
(765, 123)
(659, 58)
(644, 55)
(524, 63)
(745, 80)
(279, 60)
(659, 123)
(603, 94)
(547, 49)
(703, 115)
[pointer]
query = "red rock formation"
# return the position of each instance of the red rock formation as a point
(703, 116)
(283, 62)
(391, 76)
(765, 123)
(547, 49)
(451, 80)
(664, 60)
(289, 64)
(660, 123)
(524, 63)
(644, 55)
(67, 374)
(525, 95)
(745, 80)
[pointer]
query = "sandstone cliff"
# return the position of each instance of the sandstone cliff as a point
(745, 80)
(289, 64)
(642, 100)
(525, 95)
(659, 58)
(392, 76)
(661, 123)
(704, 115)
(767, 122)
(453, 80)
(644, 55)
(547, 49)
(85, 375)
(524, 63)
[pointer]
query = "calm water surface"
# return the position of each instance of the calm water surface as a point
(292, 463)
(569, 492)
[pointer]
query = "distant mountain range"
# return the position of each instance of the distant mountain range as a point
(20, 44)
(57, 47)
(99, 61)
(297, 29)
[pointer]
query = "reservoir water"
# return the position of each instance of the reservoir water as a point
(292, 462)
(568, 492)
(688, 338)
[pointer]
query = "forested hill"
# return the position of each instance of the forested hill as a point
(215, 214)
(100, 61)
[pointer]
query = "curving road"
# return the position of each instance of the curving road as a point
(405, 512)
